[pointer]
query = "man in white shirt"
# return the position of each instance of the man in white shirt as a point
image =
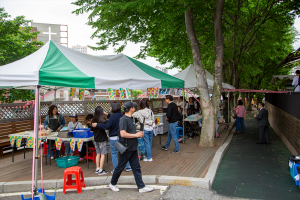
(296, 81)
(180, 102)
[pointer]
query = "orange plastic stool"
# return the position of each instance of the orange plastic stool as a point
(92, 155)
(77, 171)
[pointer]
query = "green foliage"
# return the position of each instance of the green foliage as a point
(135, 93)
(15, 43)
(279, 84)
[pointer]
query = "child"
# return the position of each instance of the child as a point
(82, 154)
(73, 124)
(101, 141)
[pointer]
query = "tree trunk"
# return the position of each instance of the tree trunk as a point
(208, 113)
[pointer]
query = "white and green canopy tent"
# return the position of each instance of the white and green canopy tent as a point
(54, 66)
(190, 81)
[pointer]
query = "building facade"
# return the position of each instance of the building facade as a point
(82, 49)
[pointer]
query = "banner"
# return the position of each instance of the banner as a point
(12, 140)
(79, 145)
(29, 142)
(148, 92)
(18, 141)
(72, 144)
(117, 93)
(121, 93)
(185, 96)
(128, 93)
(39, 142)
(81, 93)
(111, 93)
(72, 92)
(152, 92)
(58, 143)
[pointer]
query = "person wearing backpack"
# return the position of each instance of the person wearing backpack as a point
(146, 117)
(296, 81)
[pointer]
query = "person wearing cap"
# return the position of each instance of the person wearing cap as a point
(73, 124)
(129, 138)
(296, 81)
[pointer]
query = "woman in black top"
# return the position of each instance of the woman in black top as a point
(101, 140)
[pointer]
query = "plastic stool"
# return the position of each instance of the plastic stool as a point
(179, 131)
(92, 155)
(77, 171)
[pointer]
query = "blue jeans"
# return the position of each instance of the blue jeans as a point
(172, 134)
(68, 148)
(114, 154)
(148, 136)
(237, 123)
(52, 153)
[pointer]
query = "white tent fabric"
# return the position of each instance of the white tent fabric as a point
(55, 65)
(189, 77)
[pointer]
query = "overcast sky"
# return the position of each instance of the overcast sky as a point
(60, 12)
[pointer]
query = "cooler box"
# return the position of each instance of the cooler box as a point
(82, 133)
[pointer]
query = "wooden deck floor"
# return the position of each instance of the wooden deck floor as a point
(192, 161)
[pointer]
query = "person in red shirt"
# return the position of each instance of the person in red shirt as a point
(240, 116)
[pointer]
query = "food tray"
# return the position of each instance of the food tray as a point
(67, 161)
(65, 134)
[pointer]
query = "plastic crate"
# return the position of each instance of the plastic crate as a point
(293, 168)
(67, 161)
(82, 133)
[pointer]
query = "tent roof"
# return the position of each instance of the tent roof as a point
(189, 77)
(59, 66)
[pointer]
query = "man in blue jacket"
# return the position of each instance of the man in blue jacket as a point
(113, 126)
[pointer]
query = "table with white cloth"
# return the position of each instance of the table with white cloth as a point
(85, 140)
(157, 130)
(197, 119)
(24, 136)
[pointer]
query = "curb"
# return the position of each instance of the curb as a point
(212, 171)
(25, 186)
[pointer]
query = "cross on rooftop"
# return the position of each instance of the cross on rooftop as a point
(49, 33)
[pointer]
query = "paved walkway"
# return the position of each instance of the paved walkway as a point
(253, 171)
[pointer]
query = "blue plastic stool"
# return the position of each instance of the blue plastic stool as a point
(179, 131)
(41, 190)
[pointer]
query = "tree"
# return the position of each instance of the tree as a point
(170, 34)
(135, 93)
(15, 43)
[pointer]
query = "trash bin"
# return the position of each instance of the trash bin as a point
(297, 177)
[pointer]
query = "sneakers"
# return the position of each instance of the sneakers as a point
(102, 172)
(112, 172)
(97, 170)
(114, 188)
(174, 151)
(148, 160)
(145, 189)
(81, 159)
(128, 169)
(164, 148)
(52, 157)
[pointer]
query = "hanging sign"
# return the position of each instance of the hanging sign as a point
(39, 142)
(81, 93)
(72, 144)
(79, 144)
(12, 140)
(58, 143)
(121, 93)
(128, 93)
(29, 142)
(111, 93)
(18, 141)
(117, 93)
(72, 92)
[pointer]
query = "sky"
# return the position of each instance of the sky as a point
(60, 12)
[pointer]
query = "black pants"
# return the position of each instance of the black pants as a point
(132, 157)
(82, 153)
(262, 130)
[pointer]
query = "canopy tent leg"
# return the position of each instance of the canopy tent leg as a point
(228, 99)
(55, 96)
(183, 138)
(37, 90)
